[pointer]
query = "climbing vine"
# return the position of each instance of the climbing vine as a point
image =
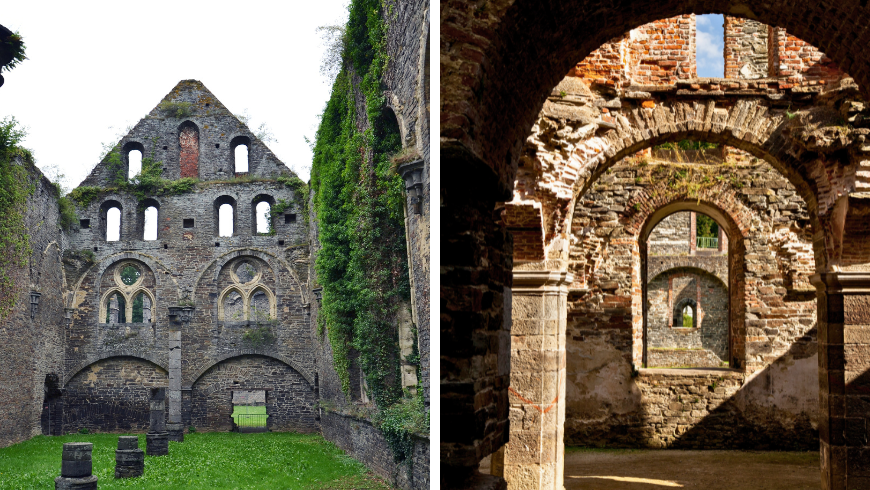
(359, 204)
(15, 187)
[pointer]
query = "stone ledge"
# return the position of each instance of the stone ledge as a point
(719, 372)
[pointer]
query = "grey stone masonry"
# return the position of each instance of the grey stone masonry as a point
(157, 439)
(76, 467)
(129, 459)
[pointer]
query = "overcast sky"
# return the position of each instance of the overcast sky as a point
(710, 45)
(95, 68)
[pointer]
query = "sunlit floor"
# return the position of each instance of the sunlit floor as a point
(643, 469)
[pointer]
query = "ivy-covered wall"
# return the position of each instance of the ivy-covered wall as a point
(360, 234)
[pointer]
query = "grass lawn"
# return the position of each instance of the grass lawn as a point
(249, 421)
(272, 460)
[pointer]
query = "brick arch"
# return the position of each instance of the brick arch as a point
(250, 352)
(694, 269)
(144, 355)
(486, 115)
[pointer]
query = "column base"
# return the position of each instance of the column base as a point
(84, 483)
(157, 444)
(176, 432)
(129, 463)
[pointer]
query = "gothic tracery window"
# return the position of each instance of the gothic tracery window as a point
(128, 301)
(247, 298)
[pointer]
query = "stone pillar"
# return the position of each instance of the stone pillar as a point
(175, 427)
(844, 378)
(157, 440)
(76, 467)
(129, 459)
(535, 454)
(179, 318)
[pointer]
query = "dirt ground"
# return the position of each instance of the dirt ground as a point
(641, 469)
(646, 469)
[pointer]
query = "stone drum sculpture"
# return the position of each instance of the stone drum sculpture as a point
(76, 467)
(129, 459)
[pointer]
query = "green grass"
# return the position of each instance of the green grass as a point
(276, 460)
(244, 410)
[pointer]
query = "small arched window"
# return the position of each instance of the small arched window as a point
(150, 223)
(134, 157)
(225, 216)
(264, 218)
(117, 309)
(241, 148)
(188, 143)
(241, 156)
(113, 224)
(225, 220)
(685, 314)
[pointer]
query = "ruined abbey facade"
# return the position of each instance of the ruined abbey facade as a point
(202, 282)
(574, 277)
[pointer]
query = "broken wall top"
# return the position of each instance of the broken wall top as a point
(194, 135)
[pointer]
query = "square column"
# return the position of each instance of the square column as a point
(534, 457)
(844, 378)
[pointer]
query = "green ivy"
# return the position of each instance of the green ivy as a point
(85, 195)
(14, 45)
(176, 109)
(359, 203)
(15, 187)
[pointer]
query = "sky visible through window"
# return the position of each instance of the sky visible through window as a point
(711, 45)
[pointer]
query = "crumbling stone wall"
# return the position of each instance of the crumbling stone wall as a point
(798, 61)
(33, 345)
(671, 236)
(604, 334)
(746, 48)
(658, 53)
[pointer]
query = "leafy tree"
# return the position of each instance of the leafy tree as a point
(705, 226)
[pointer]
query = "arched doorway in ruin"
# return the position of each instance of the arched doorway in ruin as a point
(486, 137)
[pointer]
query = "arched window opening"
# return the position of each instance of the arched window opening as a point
(241, 158)
(264, 218)
(224, 216)
(116, 312)
(240, 148)
(188, 143)
(234, 307)
(225, 220)
(150, 223)
(113, 224)
(687, 297)
(134, 157)
(259, 308)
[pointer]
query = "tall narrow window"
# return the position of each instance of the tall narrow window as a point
(117, 309)
(150, 223)
(134, 159)
(264, 218)
(225, 220)
(241, 155)
(188, 142)
(113, 225)
(710, 44)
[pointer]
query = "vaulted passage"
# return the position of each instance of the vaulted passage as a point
(685, 239)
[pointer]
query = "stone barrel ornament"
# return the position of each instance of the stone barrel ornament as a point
(129, 459)
(76, 467)
(157, 439)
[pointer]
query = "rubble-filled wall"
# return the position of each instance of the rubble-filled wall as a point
(608, 404)
(746, 48)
